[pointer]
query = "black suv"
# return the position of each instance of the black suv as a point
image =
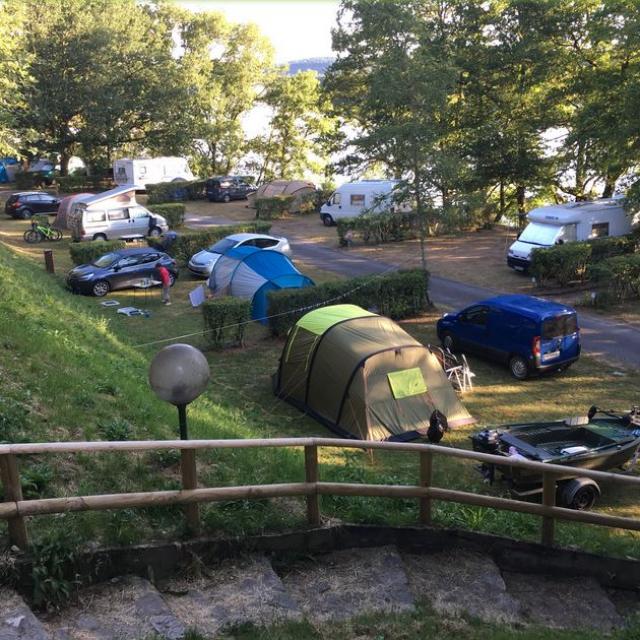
(228, 188)
(23, 205)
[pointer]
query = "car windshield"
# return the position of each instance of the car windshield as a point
(105, 260)
(222, 246)
(558, 326)
(539, 233)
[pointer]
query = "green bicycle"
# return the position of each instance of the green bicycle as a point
(40, 232)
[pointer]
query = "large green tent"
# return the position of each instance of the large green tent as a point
(363, 376)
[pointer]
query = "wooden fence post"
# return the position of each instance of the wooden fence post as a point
(190, 481)
(311, 475)
(426, 472)
(548, 500)
(13, 493)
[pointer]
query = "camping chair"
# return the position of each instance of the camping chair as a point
(451, 366)
(467, 375)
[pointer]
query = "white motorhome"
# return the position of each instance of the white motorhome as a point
(111, 215)
(144, 171)
(569, 222)
(353, 198)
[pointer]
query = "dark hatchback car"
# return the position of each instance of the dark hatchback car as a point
(119, 270)
(228, 188)
(27, 203)
(530, 335)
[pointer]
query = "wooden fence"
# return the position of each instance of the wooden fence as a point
(15, 509)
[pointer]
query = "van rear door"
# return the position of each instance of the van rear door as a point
(559, 339)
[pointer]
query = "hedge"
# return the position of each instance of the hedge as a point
(276, 207)
(187, 244)
(400, 294)
(161, 192)
(562, 263)
(610, 246)
(25, 180)
(225, 320)
(173, 212)
(83, 252)
(75, 183)
(379, 228)
(618, 276)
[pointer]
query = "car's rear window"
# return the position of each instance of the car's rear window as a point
(562, 325)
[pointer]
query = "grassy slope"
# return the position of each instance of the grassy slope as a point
(72, 369)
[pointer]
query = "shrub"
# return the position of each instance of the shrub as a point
(25, 180)
(400, 294)
(173, 212)
(225, 320)
(187, 244)
(176, 191)
(562, 263)
(603, 248)
(115, 430)
(75, 183)
(276, 207)
(379, 228)
(83, 252)
(619, 276)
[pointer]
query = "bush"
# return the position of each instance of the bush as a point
(379, 228)
(176, 191)
(603, 248)
(25, 180)
(173, 212)
(618, 276)
(562, 263)
(400, 294)
(276, 207)
(187, 244)
(83, 252)
(75, 183)
(225, 320)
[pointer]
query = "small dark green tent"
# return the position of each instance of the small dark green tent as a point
(363, 376)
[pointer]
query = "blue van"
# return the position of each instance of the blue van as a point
(530, 335)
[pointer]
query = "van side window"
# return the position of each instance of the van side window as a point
(476, 315)
(95, 216)
(337, 198)
(138, 212)
(119, 214)
(599, 230)
(357, 200)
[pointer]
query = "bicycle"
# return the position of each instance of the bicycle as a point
(40, 232)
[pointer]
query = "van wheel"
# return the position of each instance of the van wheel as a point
(226, 198)
(448, 342)
(518, 367)
(327, 220)
(100, 288)
(156, 232)
(100, 236)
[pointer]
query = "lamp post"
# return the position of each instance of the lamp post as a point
(178, 374)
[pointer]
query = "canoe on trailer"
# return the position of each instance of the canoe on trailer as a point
(600, 440)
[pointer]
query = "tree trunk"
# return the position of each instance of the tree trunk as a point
(64, 162)
(609, 185)
(520, 200)
(422, 222)
(502, 206)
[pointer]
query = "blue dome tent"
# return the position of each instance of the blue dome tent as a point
(249, 272)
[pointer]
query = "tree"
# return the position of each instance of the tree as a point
(300, 128)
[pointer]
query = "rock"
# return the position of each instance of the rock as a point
(17, 622)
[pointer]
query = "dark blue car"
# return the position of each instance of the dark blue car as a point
(528, 334)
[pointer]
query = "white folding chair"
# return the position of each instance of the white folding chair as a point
(467, 375)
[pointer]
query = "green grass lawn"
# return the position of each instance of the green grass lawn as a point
(73, 370)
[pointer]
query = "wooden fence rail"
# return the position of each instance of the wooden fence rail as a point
(15, 509)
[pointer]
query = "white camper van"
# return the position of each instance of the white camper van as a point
(141, 171)
(569, 222)
(352, 198)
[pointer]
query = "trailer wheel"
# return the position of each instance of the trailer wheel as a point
(579, 494)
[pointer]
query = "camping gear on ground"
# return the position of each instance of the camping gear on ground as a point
(249, 272)
(600, 440)
(299, 189)
(363, 376)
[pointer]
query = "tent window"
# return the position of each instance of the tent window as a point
(407, 383)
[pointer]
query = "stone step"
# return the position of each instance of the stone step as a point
(235, 592)
(348, 583)
(128, 607)
(17, 622)
(456, 582)
(563, 603)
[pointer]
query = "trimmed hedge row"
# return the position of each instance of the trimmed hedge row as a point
(75, 183)
(620, 276)
(400, 294)
(379, 228)
(270, 208)
(225, 321)
(603, 248)
(26, 180)
(185, 245)
(173, 212)
(83, 252)
(176, 191)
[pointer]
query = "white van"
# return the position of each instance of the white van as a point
(561, 223)
(113, 215)
(353, 198)
(144, 171)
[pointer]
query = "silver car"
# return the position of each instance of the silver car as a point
(202, 262)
